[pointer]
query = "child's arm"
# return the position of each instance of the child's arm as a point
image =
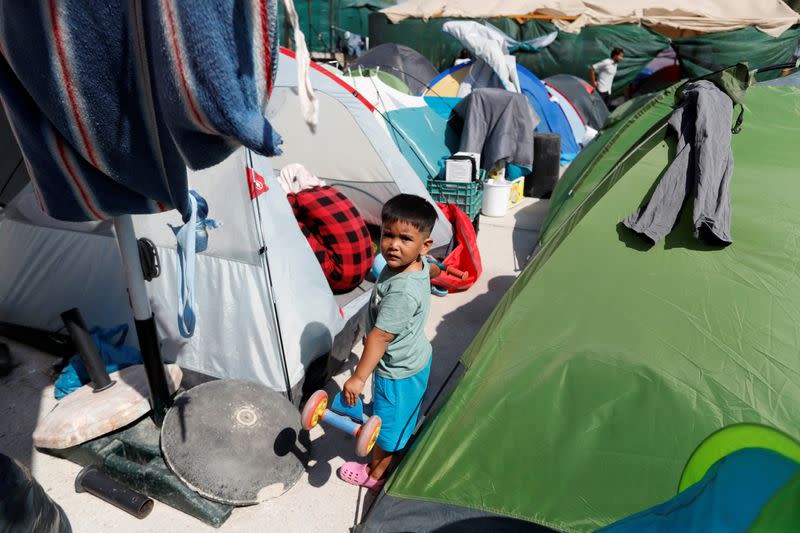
(375, 346)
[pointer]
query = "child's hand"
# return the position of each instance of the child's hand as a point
(352, 389)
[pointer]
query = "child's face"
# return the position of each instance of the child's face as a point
(402, 244)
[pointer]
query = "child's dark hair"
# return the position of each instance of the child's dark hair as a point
(412, 209)
(616, 51)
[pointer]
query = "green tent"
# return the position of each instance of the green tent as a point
(609, 361)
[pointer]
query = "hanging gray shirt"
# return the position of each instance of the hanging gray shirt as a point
(702, 167)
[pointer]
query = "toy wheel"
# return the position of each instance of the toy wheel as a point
(314, 409)
(367, 436)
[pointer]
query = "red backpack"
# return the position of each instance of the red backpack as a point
(465, 256)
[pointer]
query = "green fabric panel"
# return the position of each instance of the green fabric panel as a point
(316, 30)
(602, 370)
(782, 511)
(707, 53)
(733, 80)
(574, 53)
(354, 14)
(389, 79)
(348, 15)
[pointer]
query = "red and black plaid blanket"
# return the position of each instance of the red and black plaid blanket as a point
(337, 234)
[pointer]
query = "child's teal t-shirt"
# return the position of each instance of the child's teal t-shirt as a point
(400, 304)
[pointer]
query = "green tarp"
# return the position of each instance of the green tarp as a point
(323, 32)
(574, 53)
(699, 55)
(609, 361)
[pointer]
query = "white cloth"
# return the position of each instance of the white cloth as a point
(295, 178)
(309, 106)
(605, 71)
(490, 48)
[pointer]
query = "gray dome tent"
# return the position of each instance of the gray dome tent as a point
(585, 99)
(401, 61)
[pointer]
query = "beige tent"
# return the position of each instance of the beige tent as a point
(673, 18)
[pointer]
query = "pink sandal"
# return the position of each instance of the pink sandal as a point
(356, 474)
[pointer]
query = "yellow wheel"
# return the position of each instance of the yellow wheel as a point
(314, 410)
(368, 435)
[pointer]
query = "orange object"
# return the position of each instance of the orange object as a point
(463, 265)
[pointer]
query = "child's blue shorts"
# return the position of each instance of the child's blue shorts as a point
(397, 402)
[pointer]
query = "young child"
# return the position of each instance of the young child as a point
(396, 347)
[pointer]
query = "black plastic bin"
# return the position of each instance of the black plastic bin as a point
(546, 159)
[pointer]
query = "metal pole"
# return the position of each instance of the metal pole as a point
(264, 253)
(143, 318)
(87, 350)
(310, 36)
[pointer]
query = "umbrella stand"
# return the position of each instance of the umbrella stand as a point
(132, 456)
(143, 318)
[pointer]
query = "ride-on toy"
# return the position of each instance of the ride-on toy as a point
(351, 420)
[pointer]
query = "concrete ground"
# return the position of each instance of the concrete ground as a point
(319, 501)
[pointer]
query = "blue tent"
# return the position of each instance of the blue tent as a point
(552, 116)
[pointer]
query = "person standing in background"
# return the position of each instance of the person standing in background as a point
(602, 74)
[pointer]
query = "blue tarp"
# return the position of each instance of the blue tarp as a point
(442, 105)
(728, 498)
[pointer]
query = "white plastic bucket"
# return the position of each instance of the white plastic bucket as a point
(496, 195)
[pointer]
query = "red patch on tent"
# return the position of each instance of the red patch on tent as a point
(256, 183)
(341, 311)
(465, 256)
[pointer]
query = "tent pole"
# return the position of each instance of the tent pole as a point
(310, 37)
(276, 322)
(143, 318)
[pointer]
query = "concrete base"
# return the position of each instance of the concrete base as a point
(233, 441)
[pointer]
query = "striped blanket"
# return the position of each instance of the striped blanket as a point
(110, 101)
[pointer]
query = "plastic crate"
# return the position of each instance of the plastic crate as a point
(465, 196)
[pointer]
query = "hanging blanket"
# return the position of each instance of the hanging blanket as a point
(499, 125)
(110, 104)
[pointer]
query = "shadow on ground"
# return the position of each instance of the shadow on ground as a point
(20, 399)
(525, 236)
(332, 443)
(455, 333)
